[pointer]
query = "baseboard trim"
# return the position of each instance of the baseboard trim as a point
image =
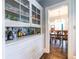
(46, 51)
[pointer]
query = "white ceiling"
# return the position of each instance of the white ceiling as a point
(59, 13)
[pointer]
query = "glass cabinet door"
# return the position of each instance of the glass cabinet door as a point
(24, 14)
(35, 15)
(25, 3)
(12, 11)
(17, 10)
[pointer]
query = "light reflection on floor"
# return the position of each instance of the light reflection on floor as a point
(56, 51)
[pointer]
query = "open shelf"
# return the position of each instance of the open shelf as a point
(18, 32)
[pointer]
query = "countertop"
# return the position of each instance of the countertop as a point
(30, 37)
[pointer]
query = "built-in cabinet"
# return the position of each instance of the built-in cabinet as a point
(27, 48)
(23, 27)
(22, 14)
(17, 10)
(20, 10)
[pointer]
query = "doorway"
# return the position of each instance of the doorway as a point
(58, 31)
(57, 21)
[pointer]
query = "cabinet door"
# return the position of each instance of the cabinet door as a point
(24, 11)
(17, 10)
(24, 14)
(12, 11)
(32, 49)
(35, 15)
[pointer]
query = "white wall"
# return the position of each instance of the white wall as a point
(58, 23)
(72, 29)
(58, 16)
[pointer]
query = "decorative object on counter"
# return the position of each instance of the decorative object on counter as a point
(31, 31)
(28, 31)
(13, 33)
(9, 33)
(14, 36)
(19, 33)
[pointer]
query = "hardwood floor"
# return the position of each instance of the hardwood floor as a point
(56, 52)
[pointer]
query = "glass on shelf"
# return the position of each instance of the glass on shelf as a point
(24, 19)
(24, 11)
(24, 31)
(25, 14)
(13, 9)
(38, 16)
(38, 22)
(37, 30)
(32, 31)
(12, 6)
(35, 15)
(38, 11)
(34, 21)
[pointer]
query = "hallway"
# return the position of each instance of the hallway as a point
(56, 52)
(39, 29)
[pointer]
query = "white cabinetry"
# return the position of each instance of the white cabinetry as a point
(20, 15)
(29, 48)
(23, 11)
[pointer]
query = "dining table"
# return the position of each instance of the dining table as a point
(59, 35)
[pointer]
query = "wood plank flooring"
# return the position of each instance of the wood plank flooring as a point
(56, 52)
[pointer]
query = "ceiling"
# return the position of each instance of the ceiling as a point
(38, 0)
(46, 3)
(58, 13)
